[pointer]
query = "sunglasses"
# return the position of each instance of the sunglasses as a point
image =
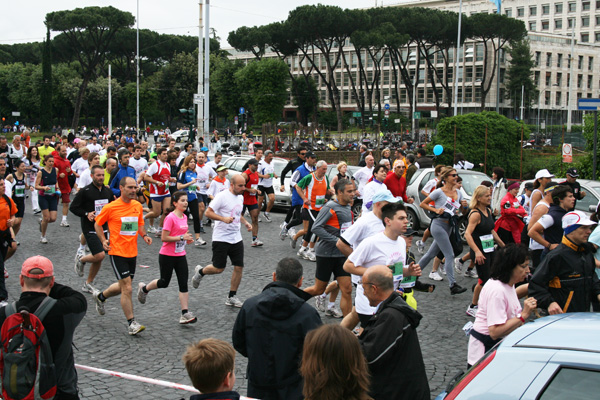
(454, 175)
(302, 154)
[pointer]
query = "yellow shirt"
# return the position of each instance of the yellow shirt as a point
(43, 151)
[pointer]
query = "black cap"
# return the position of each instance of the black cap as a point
(253, 161)
(529, 185)
(310, 154)
(410, 232)
(573, 172)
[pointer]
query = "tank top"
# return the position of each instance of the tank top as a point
(533, 245)
(18, 189)
(250, 198)
(482, 234)
(531, 197)
(340, 177)
(48, 179)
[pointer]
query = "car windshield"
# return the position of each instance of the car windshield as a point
(471, 181)
(279, 166)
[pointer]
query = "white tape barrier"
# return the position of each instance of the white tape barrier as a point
(138, 378)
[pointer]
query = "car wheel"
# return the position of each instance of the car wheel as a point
(356, 209)
(413, 220)
(462, 228)
(177, 140)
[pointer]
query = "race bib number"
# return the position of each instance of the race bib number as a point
(129, 226)
(397, 270)
(179, 246)
(20, 190)
(99, 204)
(344, 227)
(52, 190)
(408, 282)
(192, 188)
(451, 206)
(253, 187)
(320, 201)
(487, 243)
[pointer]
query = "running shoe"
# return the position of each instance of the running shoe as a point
(151, 230)
(320, 303)
(99, 303)
(310, 255)
(78, 263)
(420, 246)
(435, 276)
(135, 328)
(158, 232)
(256, 243)
(64, 223)
(36, 211)
(458, 265)
(284, 232)
(301, 252)
(267, 217)
(234, 301)
(472, 311)
(293, 241)
(187, 318)
(334, 312)
(3, 303)
(470, 273)
(200, 242)
(88, 288)
(141, 295)
(197, 277)
(457, 289)
(43, 240)
(202, 230)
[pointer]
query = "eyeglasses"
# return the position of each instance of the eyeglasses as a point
(302, 154)
(454, 175)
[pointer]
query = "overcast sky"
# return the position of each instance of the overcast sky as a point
(24, 21)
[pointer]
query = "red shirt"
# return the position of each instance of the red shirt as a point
(62, 164)
(396, 185)
(251, 198)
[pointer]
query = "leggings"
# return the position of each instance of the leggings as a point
(169, 263)
(193, 208)
(312, 216)
(483, 270)
(440, 230)
(296, 218)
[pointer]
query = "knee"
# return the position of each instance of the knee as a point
(126, 289)
(161, 283)
(99, 257)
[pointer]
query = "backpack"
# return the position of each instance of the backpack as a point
(26, 366)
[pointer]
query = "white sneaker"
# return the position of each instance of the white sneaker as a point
(78, 263)
(151, 229)
(420, 246)
(311, 256)
(470, 273)
(64, 223)
(471, 311)
(135, 328)
(158, 232)
(88, 288)
(187, 318)
(320, 303)
(200, 242)
(301, 252)
(458, 265)
(283, 233)
(256, 243)
(197, 277)
(141, 295)
(99, 304)
(267, 216)
(234, 301)
(44, 240)
(434, 275)
(334, 312)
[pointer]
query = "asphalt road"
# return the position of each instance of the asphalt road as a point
(103, 342)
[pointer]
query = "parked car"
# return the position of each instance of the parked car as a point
(589, 202)
(182, 135)
(555, 357)
(417, 217)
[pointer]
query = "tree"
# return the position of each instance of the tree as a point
(89, 32)
(305, 92)
(252, 39)
(520, 74)
(46, 94)
(264, 88)
(222, 84)
(178, 82)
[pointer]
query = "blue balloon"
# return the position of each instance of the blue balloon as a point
(438, 149)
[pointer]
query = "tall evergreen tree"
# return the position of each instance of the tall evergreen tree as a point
(520, 74)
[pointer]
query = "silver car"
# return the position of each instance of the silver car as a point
(589, 202)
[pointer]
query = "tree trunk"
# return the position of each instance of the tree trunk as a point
(79, 102)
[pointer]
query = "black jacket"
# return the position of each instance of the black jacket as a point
(270, 330)
(568, 270)
(391, 346)
(84, 202)
(60, 324)
(424, 162)
(215, 396)
(291, 166)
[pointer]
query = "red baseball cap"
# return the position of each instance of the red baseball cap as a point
(37, 262)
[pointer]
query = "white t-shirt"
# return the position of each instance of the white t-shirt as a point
(217, 187)
(203, 175)
(362, 176)
(140, 165)
(378, 250)
(79, 166)
(212, 164)
(430, 186)
(370, 190)
(366, 226)
(265, 169)
(94, 147)
(498, 302)
(226, 204)
(85, 178)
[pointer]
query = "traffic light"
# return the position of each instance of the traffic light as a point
(188, 116)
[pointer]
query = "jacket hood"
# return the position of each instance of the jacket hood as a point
(281, 300)
(396, 301)
(57, 155)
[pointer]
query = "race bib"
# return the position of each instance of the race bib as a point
(487, 243)
(20, 190)
(99, 204)
(52, 190)
(253, 187)
(345, 226)
(408, 282)
(319, 201)
(179, 246)
(129, 226)
(397, 270)
(451, 206)
(192, 188)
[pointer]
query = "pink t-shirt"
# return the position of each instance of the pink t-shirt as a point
(498, 302)
(176, 227)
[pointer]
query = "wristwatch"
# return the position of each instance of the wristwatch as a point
(181, 237)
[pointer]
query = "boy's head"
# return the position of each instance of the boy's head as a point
(210, 364)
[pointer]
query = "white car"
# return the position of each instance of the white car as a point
(182, 135)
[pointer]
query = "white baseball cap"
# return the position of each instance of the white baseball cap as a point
(543, 173)
(574, 219)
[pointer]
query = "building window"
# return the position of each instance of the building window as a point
(568, 82)
(532, 26)
(590, 63)
(536, 77)
(579, 81)
(585, 21)
(468, 94)
(548, 78)
(597, 37)
(597, 4)
(469, 74)
(598, 20)
(421, 95)
(572, 6)
(508, 12)
(558, 98)
(585, 38)
(558, 24)
(585, 6)
(532, 11)
(558, 78)
(559, 58)
(479, 52)
(502, 74)
(571, 22)
(430, 95)
(478, 73)
(520, 12)
(548, 59)
(545, 9)
(537, 58)
(580, 63)
(590, 80)
(545, 25)
(547, 98)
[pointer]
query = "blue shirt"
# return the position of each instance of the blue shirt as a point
(122, 173)
(186, 177)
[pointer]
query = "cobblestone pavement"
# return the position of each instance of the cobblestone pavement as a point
(103, 342)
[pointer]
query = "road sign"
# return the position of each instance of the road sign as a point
(588, 104)
(543, 125)
(242, 110)
(387, 106)
(397, 121)
(417, 115)
(235, 120)
(387, 113)
(198, 98)
(567, 153)
(16, 113)
(356, 114)
(434, 114)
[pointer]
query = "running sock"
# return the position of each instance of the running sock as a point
(323, 295)
(184, 311)
(64, 217)
(330, 305)
(129, 321)
(81, 246)
(201, 271)
(101, 297)
(254, 238)
(303, 248)
(232, 293)
(144, 289)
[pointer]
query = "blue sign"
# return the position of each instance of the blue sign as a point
(588, 104)
(242, 110)
(387, 106)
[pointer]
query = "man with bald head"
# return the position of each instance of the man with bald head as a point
(390, 342)
(226, 210)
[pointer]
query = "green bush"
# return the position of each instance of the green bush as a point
(585, 163)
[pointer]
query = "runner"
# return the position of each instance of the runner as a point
(123, 170)
(426, 191)
(137, 162)
(362, 177)
(266, 173)
(125, 221)
(87, 204)
(205, 175)
(159, 175)
(86, 176)
(172, 256)
(19, 189)
(187, 182)
(250, 203)
(33, 166)
(8, 210)
(47, 185)
(331, 222)
(219, 184)
(63, 168)
(226, 211)
(80, 165)
(376, 185)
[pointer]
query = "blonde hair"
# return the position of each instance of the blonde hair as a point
(341, 164)
(477, 193)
